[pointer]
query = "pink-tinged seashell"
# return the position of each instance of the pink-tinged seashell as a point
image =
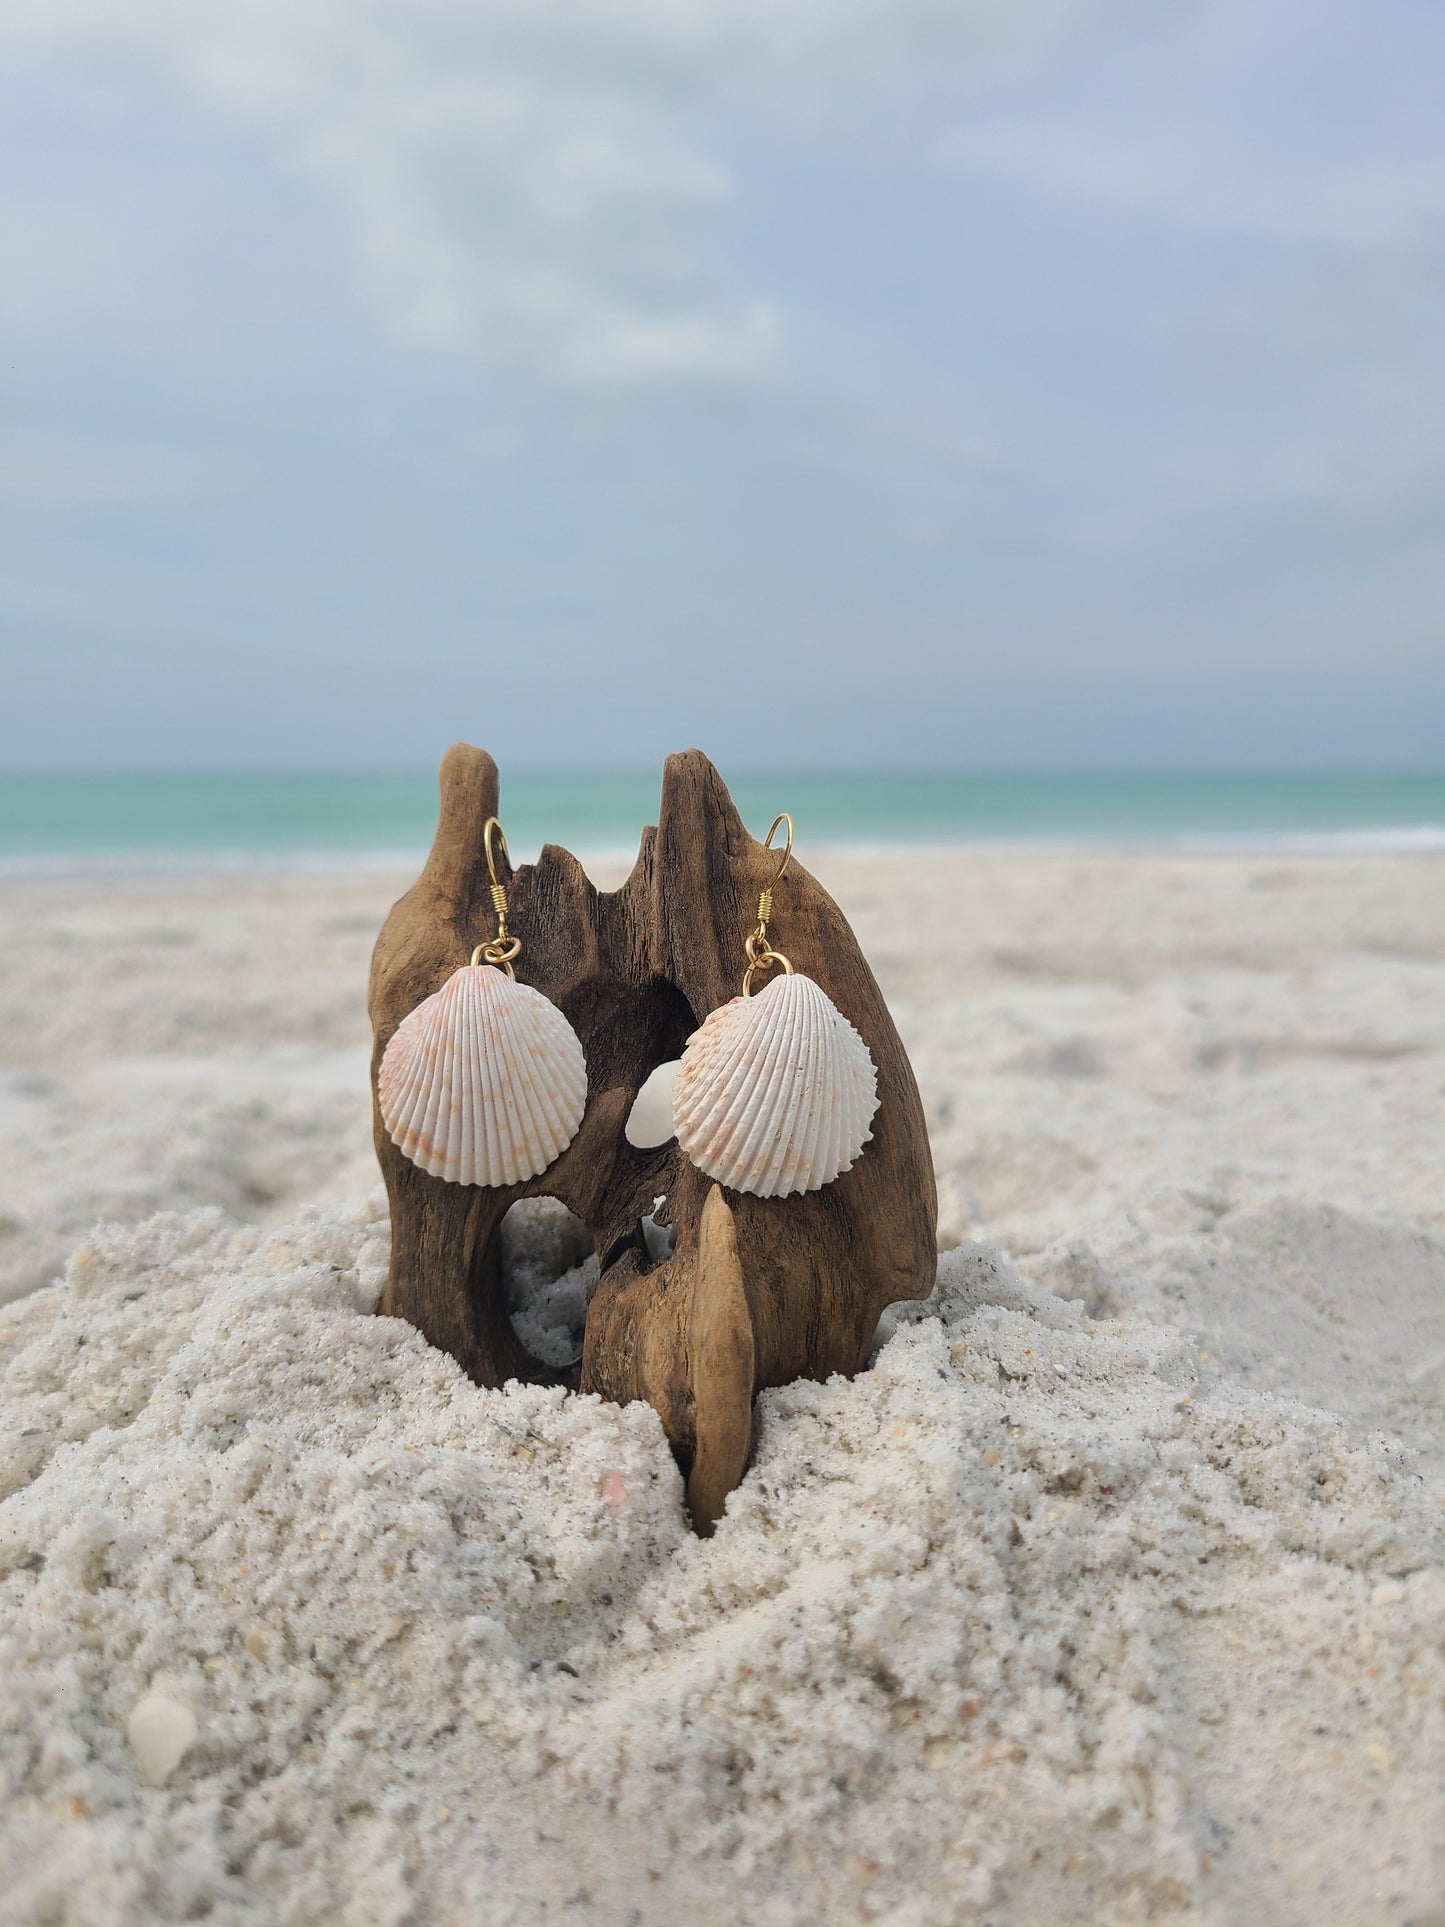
(775, 1092)
(485, 1082)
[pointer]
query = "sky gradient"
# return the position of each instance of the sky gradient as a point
(886, 382)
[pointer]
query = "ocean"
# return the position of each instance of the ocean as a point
(58, 822)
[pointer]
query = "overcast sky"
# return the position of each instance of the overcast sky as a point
(815, 380)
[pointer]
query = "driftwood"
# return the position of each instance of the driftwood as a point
(757, 1291)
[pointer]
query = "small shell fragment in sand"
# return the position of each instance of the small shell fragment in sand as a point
(263, 1642)
(160, 1731)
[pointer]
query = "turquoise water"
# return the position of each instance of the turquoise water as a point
(54, 821)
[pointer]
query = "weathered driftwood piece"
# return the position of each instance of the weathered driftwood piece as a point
(758, 1291)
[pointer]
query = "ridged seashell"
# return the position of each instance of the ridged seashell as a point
(775, 1092)
(484, 1082)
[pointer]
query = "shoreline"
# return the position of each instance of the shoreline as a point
(1424, 840)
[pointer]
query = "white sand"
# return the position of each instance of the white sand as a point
(1114, 1592)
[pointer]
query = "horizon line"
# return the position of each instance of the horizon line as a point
(793, 772)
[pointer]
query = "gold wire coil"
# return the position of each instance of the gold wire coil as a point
(760, 954)
(760, 957)
(504, 946)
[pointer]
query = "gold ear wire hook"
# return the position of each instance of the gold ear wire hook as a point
(765, 901)
(504, 946)
(760, 957)
(493, 823)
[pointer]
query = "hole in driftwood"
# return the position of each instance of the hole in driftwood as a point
(660, 1239)
(548, 1269)
(649, 1122)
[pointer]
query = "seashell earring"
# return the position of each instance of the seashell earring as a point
(775, 1092)
(485, 1082)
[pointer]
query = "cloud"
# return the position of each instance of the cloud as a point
(1171, 176)
(534, 180)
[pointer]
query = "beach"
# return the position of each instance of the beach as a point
(1112, 1591)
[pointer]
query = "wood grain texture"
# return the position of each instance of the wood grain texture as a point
(771, 1288)
(722, 1361)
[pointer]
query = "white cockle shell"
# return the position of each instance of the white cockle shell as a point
(484, 1082)
(775, 1092)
